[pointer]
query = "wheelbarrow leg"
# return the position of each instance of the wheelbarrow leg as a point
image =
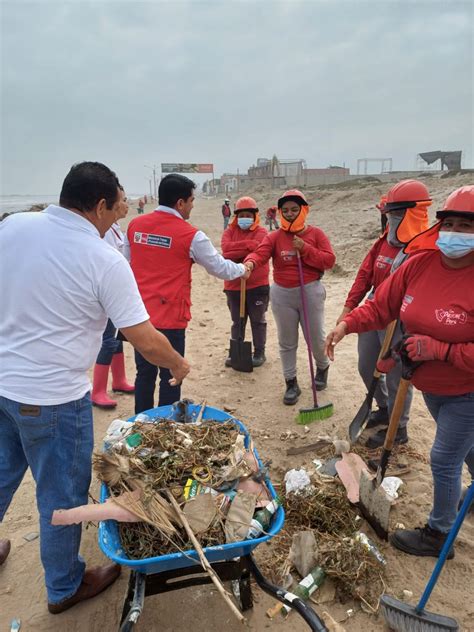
(287, 598)
(133, 605)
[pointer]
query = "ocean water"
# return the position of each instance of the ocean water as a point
(14, 203)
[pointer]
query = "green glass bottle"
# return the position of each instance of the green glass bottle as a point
(308, 585)
(261, 520)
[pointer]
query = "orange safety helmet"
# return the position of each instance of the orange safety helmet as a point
(292, 195)
(460, 203)
(405, 194)
(246, 203)
(382, 203)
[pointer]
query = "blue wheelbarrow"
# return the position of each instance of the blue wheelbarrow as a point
(231, 562)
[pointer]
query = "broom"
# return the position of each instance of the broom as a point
(307, 415)
(402, 617)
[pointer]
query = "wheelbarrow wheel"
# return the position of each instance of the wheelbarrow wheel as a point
(242, 591)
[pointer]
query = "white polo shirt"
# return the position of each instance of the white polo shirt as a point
(59, 282)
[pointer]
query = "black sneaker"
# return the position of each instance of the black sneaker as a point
(228, 362)
(423, 541)
(378, 439)
(292, 392)
(258, 358)
(321, 379)
(379, 417)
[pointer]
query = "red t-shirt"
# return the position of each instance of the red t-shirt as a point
(431, 299)
(236, 245)
(316, 256)
(374, 269)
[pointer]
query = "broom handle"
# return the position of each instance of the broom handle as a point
(306, 329)
(386, 344)
(446, 548)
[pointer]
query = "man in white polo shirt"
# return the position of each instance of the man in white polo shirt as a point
(59, 282)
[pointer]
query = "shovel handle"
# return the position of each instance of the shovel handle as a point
(243, 284)
(387, 341)
(396, 413)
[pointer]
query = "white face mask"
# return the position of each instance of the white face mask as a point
(455, 245)
(245, 222)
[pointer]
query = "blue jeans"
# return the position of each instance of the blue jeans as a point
(453, 445)
(147, 373)
(56, 443)
(110, 344)
(226, 222)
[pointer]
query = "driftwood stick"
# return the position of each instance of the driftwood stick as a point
(201, 411)
(204, 561)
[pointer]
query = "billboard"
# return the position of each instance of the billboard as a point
(186, 167)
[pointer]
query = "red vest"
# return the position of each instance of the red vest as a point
(160, 260)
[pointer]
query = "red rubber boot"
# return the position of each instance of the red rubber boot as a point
(119, 379)
(99, 387)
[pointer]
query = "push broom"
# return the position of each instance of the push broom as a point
(402, 617)
(317, 413)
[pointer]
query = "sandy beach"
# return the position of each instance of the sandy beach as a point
(347, 214)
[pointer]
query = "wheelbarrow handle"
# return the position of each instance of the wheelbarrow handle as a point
(302, 608)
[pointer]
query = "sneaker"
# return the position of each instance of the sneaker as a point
(379, 417)
(423, 541)
(228, 362)
(378, 439)
(292, 392)
(321, 379)
(258, 358)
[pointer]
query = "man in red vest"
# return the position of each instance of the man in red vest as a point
(162, 248)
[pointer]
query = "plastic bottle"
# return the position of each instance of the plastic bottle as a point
(370, 546)
(261, 520)
(308, 585)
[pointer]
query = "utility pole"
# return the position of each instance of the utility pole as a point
(154, 168)
(149, 182)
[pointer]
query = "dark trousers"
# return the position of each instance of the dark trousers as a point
(256, 305)
(147, 373)
(110, 344)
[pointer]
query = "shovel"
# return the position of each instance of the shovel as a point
(360, 420)
(241, 351)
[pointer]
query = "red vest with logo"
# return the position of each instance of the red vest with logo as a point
(160, 260)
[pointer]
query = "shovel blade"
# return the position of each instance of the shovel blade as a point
(374, 504)
(241, 356)
(360, 420)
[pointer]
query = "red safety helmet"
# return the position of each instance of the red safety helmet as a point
(292, 195)
(382, 203)
(406, 194)
(460, 203)
(246, 203)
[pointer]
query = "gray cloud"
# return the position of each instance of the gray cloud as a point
(132, 83)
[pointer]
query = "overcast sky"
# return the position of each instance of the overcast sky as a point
(135, 83)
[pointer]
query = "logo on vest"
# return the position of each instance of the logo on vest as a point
(152, 240)
(450, 317)
(287, 255)
(407, 299)
(383, 262)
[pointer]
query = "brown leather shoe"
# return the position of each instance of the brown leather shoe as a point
(94, 582)
(5, 546)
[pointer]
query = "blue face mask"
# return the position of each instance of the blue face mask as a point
(245, 222)
(455, 245)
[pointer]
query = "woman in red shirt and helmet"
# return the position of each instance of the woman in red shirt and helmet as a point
(432, 294)
(285, 294)
(241, 238)
(406, 208)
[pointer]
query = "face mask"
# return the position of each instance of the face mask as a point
(394, 220)
(245, 222)
(455, 245)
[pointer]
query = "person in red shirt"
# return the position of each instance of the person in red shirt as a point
(432, 294)
(240, 239)
(285, 294)
(271, 218)
(406, 208)
(226, 212)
